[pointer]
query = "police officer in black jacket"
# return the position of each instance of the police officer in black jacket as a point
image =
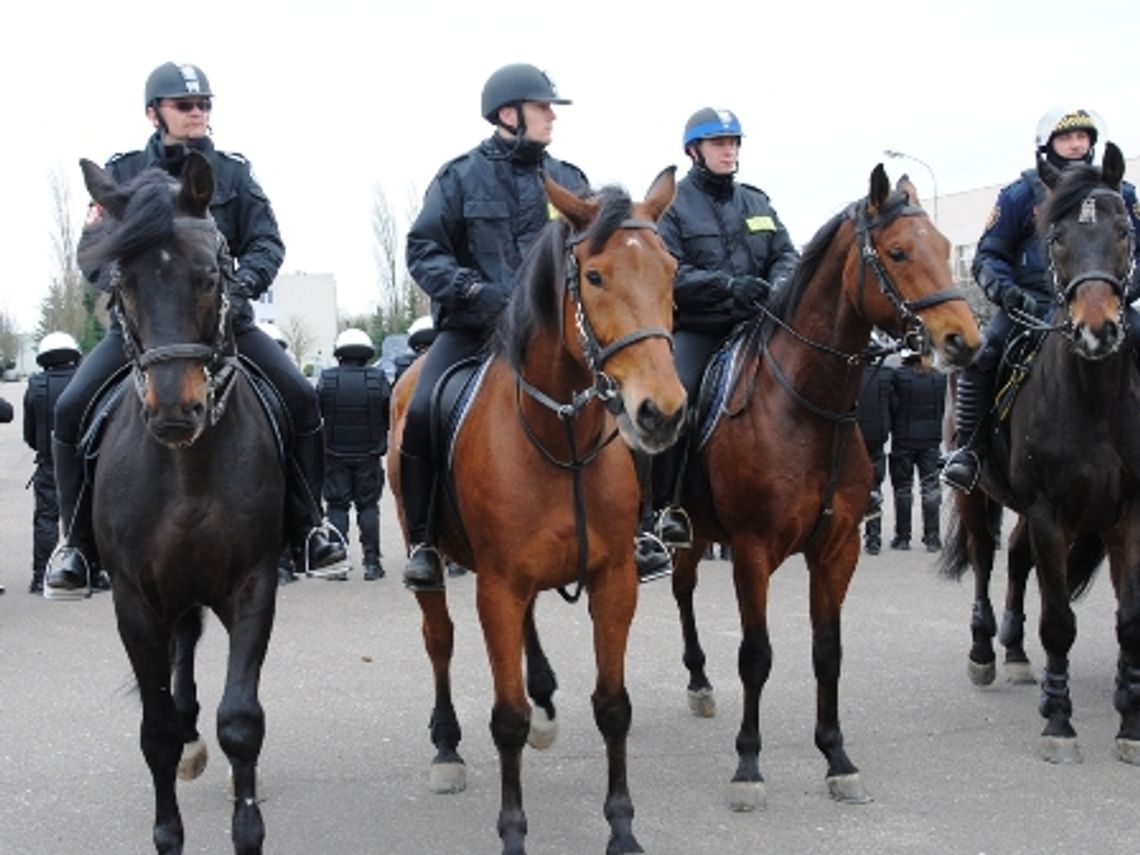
(918, 403)
(873, 414)
(481, 213)
(178, 101)
(732, 250)
(58, 355)
(354, 400)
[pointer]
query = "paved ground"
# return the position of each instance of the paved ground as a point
(347, 693)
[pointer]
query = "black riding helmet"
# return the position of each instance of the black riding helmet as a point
(176, 81)
(513, 84)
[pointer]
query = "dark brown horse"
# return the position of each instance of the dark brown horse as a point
(785, 471)
(189, 491)
(1071, 463)
(543, 497)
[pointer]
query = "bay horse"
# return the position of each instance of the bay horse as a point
(176, 521)
(784, 470)
(1071, 464)
(543, 498)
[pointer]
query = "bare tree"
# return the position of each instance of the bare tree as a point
(9, 342)
(68, 306)
(299, 338)
(400, 301)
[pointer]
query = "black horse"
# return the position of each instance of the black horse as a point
(189, 491)
(1070, 462)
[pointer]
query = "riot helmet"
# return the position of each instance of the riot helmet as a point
(57, 348)
(421, 333)
(354, 344)
(513, 84)
(1060, 120)
(170, 80)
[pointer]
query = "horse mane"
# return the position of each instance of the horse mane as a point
(1072, 188)
(536, 303)
(147, 221)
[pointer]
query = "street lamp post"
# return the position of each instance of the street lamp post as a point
(933, 180)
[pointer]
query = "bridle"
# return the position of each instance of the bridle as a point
(604, 388)
(1087, 217)
(218, 358)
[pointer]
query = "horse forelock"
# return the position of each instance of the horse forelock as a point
(537, 298)
(148, 221)
(615, 209)
(1072, 189)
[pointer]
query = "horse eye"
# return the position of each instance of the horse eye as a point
(896, 254)
(594, 278)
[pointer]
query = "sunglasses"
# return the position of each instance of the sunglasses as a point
(187, 105)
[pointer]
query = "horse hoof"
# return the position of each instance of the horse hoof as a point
(447, 778)
(702, 703)
(745, 796)
(848, 789)
(543, 730)
(1020, 674)
(1128, 750)
(193, 761)
(982, 675)
(1060, 749)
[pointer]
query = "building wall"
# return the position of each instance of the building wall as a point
(303, 307)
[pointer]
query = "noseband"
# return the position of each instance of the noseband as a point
(218, 362)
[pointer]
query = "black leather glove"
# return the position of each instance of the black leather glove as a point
(483, 302)
(750, 291)
(1016, 299)
(243, 286)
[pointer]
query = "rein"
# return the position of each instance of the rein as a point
(604, 389)
(217, 358)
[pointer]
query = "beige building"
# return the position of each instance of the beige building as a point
(303, 307)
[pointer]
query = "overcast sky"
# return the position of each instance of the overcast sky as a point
(326, 99)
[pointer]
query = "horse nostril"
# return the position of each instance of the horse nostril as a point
(195, 410)
(652, 421)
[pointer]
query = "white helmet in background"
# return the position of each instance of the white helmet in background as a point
(354, 344)
(57, 348)
(421, 333)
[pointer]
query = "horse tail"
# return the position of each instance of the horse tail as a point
(955, 558)
(1085, 555)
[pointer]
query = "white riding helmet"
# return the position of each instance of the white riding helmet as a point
(354, 344)
(271, 330)
(57, 348)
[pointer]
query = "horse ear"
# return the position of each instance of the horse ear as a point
(197, 185)
(102, 188)
(578, 212)
(905, 185)
(1112, 168)
(661, 193)
(1047, 172)
(880, 188)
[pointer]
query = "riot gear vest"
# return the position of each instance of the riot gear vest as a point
(43, 391)
(354, 401)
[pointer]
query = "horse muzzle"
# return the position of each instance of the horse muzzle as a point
(647, 427)
(175, 412)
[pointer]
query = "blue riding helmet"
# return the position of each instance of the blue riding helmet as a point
(708, 123)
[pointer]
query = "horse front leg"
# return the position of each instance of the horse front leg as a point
(147, 646)
(702, 702)
(187, 632)
(1124, 564)
(1058, 630)
(1012, 631)
(830, 575)
(448, 771)
(612, 604)
(754, 664)
(541, 683)
(248, 616)
(976, 512)
(502, 614)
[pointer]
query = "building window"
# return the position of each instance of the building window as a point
(963, 261)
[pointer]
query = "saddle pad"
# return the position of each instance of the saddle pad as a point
(453, 397)
(715, 387)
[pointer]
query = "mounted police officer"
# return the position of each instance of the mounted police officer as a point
(918, 403)
(354, 400)
(178, 102)
(732, 251)
(58, 355)
(481, 213)
(1011, 268)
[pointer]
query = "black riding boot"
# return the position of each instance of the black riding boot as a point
(650, 555)
(424, 570)
(75, 564)
(971, 403)
(672, 525)
(312, 546)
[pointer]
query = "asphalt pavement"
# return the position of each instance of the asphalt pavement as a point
(347, 693)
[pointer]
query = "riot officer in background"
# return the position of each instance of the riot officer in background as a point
(354, 400)
(873, 414)
(58, 355)
(918, 403)
(481, 213)
(178, 102)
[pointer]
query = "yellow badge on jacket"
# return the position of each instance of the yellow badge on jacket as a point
(760, 223)
(551, 211)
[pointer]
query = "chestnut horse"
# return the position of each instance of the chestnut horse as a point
(176, 521)
(542, 497)
(785, 472)
(1071, 463)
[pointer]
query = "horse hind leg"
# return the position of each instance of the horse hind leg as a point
(1012, 632)
(976, 518)
(187, 631)
(448, 772)
(541, 683)
(702, 700)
